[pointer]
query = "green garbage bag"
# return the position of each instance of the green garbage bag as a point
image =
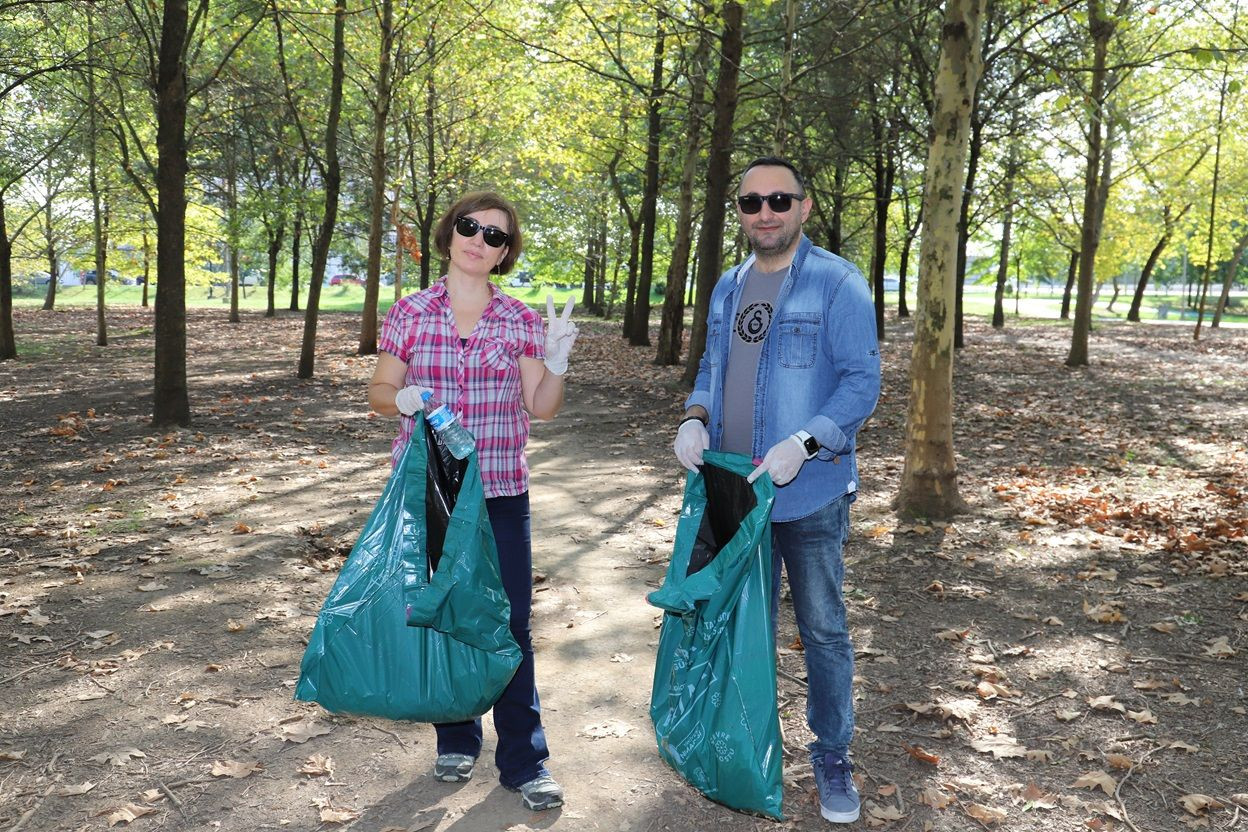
(713, 702)
(416, 626)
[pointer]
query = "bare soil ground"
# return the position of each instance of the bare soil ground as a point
(1069, 654)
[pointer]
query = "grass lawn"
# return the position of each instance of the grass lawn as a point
(977, 301)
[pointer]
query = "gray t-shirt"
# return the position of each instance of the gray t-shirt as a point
(755, 310)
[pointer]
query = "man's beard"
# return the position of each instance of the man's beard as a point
(780, 246)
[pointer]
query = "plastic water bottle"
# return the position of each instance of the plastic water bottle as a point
(447, 427)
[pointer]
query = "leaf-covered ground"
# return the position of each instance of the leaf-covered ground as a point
(1068, 654)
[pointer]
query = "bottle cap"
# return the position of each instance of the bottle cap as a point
(426, 396)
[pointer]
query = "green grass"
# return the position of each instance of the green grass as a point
(977, 301)
(341, 298)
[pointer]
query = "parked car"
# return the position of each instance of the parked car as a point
(88, 277)
(39, 278)
(250, 278)
(345, 279)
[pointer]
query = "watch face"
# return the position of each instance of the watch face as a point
(812, 445)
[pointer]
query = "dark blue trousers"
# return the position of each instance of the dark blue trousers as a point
(517, 714)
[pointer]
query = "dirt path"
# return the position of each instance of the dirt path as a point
(1089, 613)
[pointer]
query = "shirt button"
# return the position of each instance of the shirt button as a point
(836, 460)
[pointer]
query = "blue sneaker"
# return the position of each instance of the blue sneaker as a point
(838, 797)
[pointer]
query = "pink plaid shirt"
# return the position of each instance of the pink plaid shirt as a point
(480, 380)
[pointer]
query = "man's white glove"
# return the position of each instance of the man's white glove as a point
(783, 461)
(409, 401)
(560, 336)
(692, 439)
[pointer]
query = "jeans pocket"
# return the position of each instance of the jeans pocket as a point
(799, 340)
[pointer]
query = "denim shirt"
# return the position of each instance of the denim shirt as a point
(819, 371)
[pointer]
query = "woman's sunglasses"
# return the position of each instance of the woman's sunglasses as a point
(778, 203)
(493, 235)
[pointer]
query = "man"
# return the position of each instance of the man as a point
(790, 372)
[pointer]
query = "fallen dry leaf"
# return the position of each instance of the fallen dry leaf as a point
(118, 757)
(917, 752)
(1065, 715)
(1220, 648)
(1164, 626)
(1144, 717)
(152, 586)
(318, 765)
(962, 709)
(1039, 755)
(129, 812)
(1182, 746)
(1106, 703)
(934, 797)
(1119, 761)
(1198, 804)
(986, 814)
(301, 732)
(73, 791)
(1097, 780)
(1000, 746)
(235, 769)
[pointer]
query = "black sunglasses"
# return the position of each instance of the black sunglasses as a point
(493, 235)
(779, 203)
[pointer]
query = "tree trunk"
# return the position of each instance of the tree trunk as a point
(276, 238)
(929, 484)
(377, 199)
(331, 176)
(232, 223)
(640, 335)
(147, 266)
(836, 226)
(1007, 225)
(296, 240)
(93, 185)
(1213, 199)
(1101, 26)
(885, 173)
(600, 281)
(964, 219)
(49, 300)
(171, 400)
(591, 263)
(718, 182)
(785, 93)
(8, 340)
(1227, 281)
(903, 309)
(672, 326)
(1072, 271)
(431, 195)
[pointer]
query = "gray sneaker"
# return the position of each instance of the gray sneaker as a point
(542, 792)
(838, 797)
(453, 768)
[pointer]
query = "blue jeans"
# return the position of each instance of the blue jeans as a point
(521, 749)
(810, 549)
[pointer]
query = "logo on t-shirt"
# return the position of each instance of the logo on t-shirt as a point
(753, 321)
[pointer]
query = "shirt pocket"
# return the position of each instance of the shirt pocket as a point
(714, 331)
(498, 356)
(799, 340)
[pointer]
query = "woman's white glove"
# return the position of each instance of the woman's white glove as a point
(560, 336)
(783, 461)
(409, 400)
(692, 439)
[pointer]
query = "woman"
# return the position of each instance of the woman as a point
(485, 355)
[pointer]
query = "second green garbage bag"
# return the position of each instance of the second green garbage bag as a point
(714, 697)
(416, 626)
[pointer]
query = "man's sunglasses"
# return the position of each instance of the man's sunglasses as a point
(493, 235)
(778, 203)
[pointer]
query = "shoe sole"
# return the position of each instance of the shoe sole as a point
(839, 817)
(534, 807)
(453, 778)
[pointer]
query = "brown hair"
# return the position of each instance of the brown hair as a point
(480, 201)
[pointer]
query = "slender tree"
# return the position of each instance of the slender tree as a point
(929, 483)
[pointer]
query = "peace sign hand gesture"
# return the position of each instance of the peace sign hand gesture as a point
(560, 336)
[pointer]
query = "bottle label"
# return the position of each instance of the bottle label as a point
(440, 418)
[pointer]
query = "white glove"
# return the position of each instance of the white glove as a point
(783, 461)
(560, 336)
(692, 439)
(409, 401)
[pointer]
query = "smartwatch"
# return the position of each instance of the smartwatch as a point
(809, 443)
